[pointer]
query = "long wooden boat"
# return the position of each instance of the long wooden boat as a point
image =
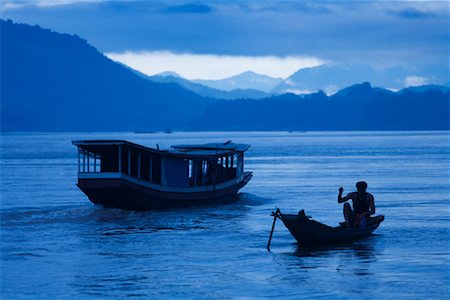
(309, 232)
(121, 174)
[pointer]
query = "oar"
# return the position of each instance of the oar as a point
(275, 214)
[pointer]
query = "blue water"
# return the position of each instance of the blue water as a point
(55, 244)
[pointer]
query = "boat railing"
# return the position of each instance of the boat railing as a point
(88, 162)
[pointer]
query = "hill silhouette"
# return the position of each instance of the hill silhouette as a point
(55, 82)
(358, 107)
(58, 82)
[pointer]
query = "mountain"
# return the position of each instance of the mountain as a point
(243, 81)
(205, 91)
(56, 82)
(358, 107)
(426, 88)
(332, 77)
(169, 74)
(200, 89)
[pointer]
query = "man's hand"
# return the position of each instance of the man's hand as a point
(341, 189)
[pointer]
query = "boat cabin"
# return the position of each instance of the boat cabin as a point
(181, 166)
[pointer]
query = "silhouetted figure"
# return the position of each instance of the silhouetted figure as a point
(363, 205)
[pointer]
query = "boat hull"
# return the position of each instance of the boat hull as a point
(125, 194)
(310, 232)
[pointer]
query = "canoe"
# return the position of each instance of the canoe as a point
(310, 232)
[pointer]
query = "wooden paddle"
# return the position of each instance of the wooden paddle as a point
(276, 214)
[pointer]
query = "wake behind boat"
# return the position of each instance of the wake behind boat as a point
(121, 174)
(309, 232)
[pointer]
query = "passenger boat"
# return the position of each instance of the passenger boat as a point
(309, 232)
(121, 174)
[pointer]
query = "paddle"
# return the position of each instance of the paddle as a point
(276, 215)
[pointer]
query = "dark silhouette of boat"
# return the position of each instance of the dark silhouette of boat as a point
(309, 232)
(121, 174)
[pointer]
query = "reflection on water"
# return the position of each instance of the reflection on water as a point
(360, 247)
(354, 256)
(55, 244)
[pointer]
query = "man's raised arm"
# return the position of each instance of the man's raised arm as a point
(340, 198)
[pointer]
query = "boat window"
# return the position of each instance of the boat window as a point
(175, 172)
(144, 166)
(208, 173)
(204, 172)
(156, 169)
(191, 172)
(240, 164)
(134, 163)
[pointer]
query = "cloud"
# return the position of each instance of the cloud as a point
(283, 6)
(191, 8)
(383, 34)
(298, 92)
(413, 13)
(10, 6)
(415, 81)
(208, 66)
(22, 4)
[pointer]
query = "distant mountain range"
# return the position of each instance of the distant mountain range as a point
(206, 91)
(332, 77)
(329, 77)
(58, 82)
(243, 81)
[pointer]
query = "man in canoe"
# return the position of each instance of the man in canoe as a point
(363, 205)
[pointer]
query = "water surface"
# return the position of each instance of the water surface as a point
(56, 244)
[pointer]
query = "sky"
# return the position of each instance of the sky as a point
(218, 39)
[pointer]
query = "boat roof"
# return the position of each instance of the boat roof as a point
(215, 146)
(197, 151)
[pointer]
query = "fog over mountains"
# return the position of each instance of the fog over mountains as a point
(246, 80)
(58, 82)
(207, 91)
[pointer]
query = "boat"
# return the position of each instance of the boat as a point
(310, 232)
(125, 175)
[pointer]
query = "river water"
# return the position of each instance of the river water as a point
(56, 245)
